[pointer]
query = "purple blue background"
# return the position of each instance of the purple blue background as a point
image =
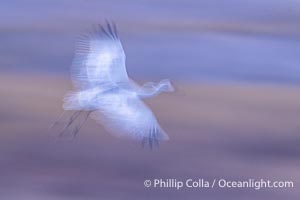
(236, 114)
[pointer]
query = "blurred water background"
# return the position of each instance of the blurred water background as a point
(234, 40)
(235, 62)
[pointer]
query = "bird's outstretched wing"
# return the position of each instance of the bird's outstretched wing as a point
(125, 115)
(99, 59)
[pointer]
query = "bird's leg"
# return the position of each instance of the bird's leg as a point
(73, 117)
(57, 121)
(80, 125)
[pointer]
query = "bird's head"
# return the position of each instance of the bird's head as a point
(166, 86)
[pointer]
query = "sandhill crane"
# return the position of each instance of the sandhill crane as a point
(104, 90)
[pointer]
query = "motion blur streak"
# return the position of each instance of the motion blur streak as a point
(236, 62)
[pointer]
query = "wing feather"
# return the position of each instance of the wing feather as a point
(125, 115)
(99, 59)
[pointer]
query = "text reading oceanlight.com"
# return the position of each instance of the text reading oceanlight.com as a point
(217, 183)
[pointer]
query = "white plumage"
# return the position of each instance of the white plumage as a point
(105, 91)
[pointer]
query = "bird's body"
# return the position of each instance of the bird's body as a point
(105, 91)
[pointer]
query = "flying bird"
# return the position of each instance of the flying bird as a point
(104, 92)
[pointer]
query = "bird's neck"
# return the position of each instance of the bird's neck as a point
(150, 92)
